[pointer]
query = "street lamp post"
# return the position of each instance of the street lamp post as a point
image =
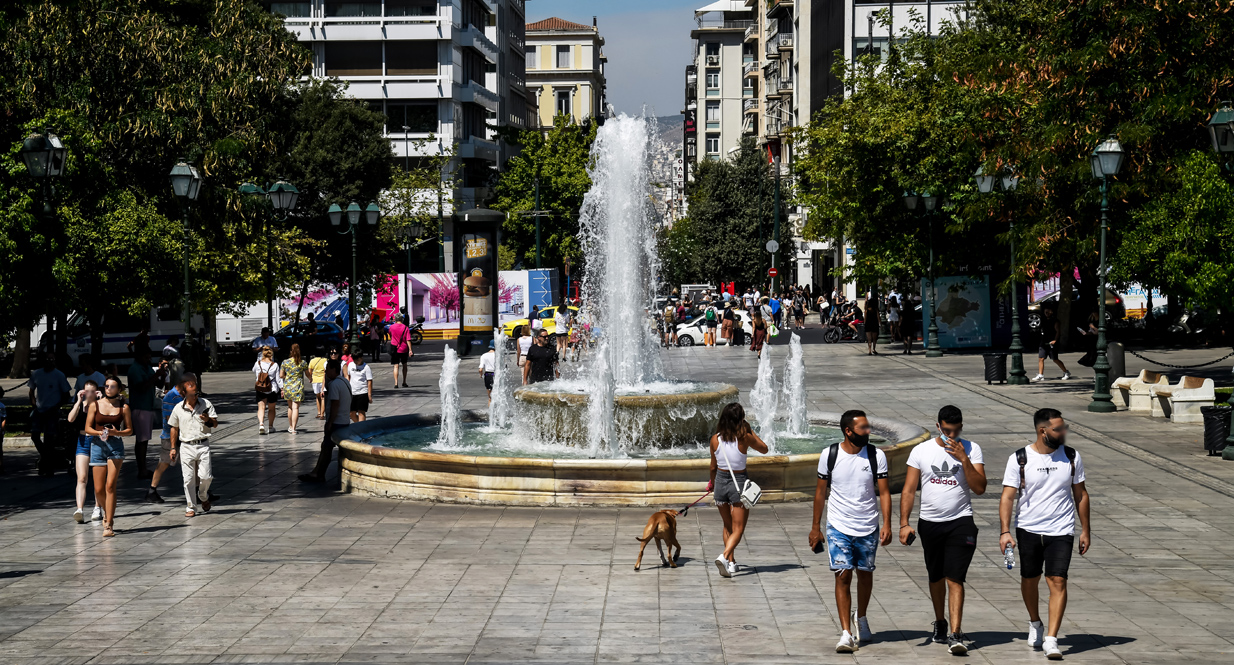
(354, 213)
(408, 236)
(1221, 131)
(283, 197)
(930, 202)
(46, 157)
(1106, 160)
(1009, 181)
(186, 185)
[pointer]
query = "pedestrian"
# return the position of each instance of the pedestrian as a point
(142, 338)
(854, 473)
(346, 356)
(799, 309)
(541, 361)
(525, 341)
(86, 396)
(893, 313)
(170, 399)
(267, 389)
(871, 326)
(377, 336)
(759, 335)
(360, 380)
(908, 324)
(488, 369)
(108, 421)
(142, 377)
(317, 376)
(172, 348)
(561, 328)
(534, 319)
(49, 389)
(191, 422)
(747, 301)
(4, 419)
(293, 373)
(265, 340)
(726, 326)
(777, 310)
(1048, 477)
(85, 362)
(729, 445)
(949, 469)
(400, 348)
(711, 320)
(1051, 332)
(670, 325)
(338, 406)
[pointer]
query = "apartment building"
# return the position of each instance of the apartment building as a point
(565, 70)
(715, 87)
(449, 69)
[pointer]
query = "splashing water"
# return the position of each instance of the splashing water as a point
(764, 399)
(451, 419)
(600, 406)
(501, 409)
(795, 389)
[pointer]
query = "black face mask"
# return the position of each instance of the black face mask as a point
(859, 439)
(1054, 442)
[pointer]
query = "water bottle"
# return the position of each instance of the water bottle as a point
(1009, 557)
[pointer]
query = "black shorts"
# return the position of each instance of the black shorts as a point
(359, 403)
(1046, 351)
(948, 547)
(1049, 553)
(266, 397)
(488, 380)
(398, 357)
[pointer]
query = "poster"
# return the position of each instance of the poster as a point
(963, 311)
(479, 273)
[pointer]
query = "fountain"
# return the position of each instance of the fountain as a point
(615, 431)
(795, 388)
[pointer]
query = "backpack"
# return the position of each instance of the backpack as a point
(711, 314)
(833, 453)
(1021, 458)
(668, 314)
(264, 381)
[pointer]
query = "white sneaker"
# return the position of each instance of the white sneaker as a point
(732, 567)
(78, 516)
(1039, 377)
(291, 431)
(722, 564)
(1036, 631)
(261, 429)
(847, 643)
(96, 515)
(1051, 649)
(1066, 375)
(863, 630)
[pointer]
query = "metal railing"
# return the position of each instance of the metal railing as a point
(750, 67)
(784, 41)
(748, 105)
(750, 31)
(516, 42)
(717, 22)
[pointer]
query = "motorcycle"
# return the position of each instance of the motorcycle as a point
(416, 334)
(837, 328)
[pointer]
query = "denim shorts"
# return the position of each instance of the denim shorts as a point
(101, 451)
(847, 552)
(83, 444)
(726, 492)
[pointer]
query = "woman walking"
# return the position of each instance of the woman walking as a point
(87, 397)
(107, 422)
(871, 319)
(266, 388)
(760, 332)
(294, 371)
(729, 445)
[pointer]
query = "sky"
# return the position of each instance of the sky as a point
(647, 43)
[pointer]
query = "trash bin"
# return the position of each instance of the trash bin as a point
(1216, 427)
(995, 367)
(1117, 360)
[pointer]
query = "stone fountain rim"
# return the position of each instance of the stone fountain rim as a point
(543, 398)
(905, 434)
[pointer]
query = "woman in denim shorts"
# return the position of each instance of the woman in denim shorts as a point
(87, 397)
(733, 438)
(108, 420)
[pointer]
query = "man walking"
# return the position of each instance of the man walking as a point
(266, 339)
(1051, 331)
(48, 390)
(855, 474)
(338, 408)
(488, 369)
(948, 468)
(541, 362)
(141, 379)
(1049, 478)
(191, 422)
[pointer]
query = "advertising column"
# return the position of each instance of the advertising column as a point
(477, 233)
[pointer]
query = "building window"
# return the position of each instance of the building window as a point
(353, 9)
(564, 54)
(411, 8)
(713, 144)
(713, 78)
(564, 107)
(411, 57)
(747, 87)
(533, 58)
(353, 58)
(291, 9)
(861, 46)
(713, 115)
(418, 117)
(712, 48)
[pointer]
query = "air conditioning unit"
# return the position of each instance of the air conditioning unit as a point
(713, 61)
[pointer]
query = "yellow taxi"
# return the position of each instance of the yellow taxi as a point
(546, 317)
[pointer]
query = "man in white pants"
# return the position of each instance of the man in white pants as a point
(191, 422)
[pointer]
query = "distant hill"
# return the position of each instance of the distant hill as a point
(670, 129)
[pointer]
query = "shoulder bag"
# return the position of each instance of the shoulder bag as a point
(750, 492)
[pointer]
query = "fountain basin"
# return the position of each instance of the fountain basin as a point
(476, 479)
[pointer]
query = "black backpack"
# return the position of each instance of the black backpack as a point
(833, 453)
(1021, 458)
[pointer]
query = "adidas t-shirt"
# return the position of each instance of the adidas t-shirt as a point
(1046, 506)
(944, 488)
(853, 506)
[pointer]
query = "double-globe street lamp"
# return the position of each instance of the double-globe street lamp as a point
(1106, 161)
(283, 197)
(1221, 132)
(186, 185)
(1008, 182)
(353, 212)
(929, 202)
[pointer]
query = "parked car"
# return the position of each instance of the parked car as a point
(1115, 309)
(546, 317)
(328, 335)
(691, 332)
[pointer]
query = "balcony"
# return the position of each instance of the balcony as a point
(519, 6)
(716, 21)
(363, 28)
(474, 93)
(749, 106)
(750, 68)
(475, 147)
(778, 7)
(785, 87)
(784, 41)
(773, 51)
(473, 37)
(751, 33)
(516, 43)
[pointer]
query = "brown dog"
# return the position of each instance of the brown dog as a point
(662, 526)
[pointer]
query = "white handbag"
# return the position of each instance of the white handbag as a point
(750, 492)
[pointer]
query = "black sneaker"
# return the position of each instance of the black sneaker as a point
(940, 632)
(152, 496)
(955, 643)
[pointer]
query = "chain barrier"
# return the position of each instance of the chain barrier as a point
(1161, 364)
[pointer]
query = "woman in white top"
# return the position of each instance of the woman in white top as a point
(267, 388)
(561, 326)
(733, 438)
(524, 344)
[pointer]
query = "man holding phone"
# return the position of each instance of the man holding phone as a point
(1049, 478)
(948, 468)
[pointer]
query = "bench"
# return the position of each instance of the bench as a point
(1135, 393)
(1181, 402)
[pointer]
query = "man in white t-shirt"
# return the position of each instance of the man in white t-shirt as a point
(88, 373)
(1049, 478)
(338, 406)
(948, 468)
(266, 339)
(858, 493)
(488, 368)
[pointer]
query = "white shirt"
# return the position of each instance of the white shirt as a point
(488, 361)
(1046, 506)
(561, 321)
(49, 388)
(338, 391)
(944, 487)
(359, 378)
(191, 429)
(524, 345)
(748, 299)
(853, 506)
(271, 368)
(266, 341)
(97, 377)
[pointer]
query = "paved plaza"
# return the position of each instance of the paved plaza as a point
(283, 572)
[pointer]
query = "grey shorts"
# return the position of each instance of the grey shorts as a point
(726, 493)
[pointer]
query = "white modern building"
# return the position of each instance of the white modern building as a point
(715, 87)
(442, 68)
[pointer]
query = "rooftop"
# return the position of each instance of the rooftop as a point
(559, 24)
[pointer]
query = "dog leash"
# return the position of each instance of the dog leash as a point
(687, 508)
